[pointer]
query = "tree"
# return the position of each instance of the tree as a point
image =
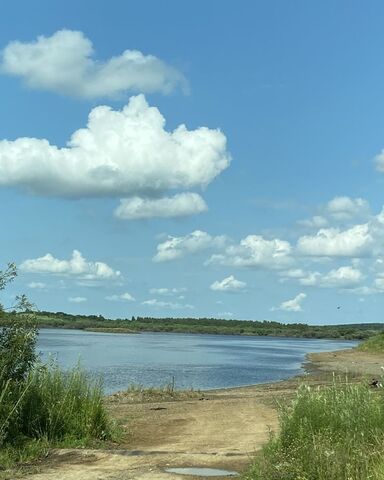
(19, 335)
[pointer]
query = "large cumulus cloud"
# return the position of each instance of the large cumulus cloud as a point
(119, 153)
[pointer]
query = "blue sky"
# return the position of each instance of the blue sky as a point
(225, 160)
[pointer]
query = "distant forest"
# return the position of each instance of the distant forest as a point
(202, 325)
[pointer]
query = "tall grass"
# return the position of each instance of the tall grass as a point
(373, 344)
(51, 406)
(329, 433)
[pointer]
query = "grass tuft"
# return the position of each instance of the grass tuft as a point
(138, 394)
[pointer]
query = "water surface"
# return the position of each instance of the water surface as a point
(193, 361)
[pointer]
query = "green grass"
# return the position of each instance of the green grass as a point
(50, 408)
(374, 344)
(329, 433)
(165, 393)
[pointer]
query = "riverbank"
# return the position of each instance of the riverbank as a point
(351, 361)
(202, 326)
(217, 429)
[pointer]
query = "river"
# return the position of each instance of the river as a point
(190, 360)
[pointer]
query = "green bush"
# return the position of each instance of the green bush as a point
(40, 404)
(333, 433)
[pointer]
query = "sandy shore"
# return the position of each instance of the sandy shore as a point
(217, 429)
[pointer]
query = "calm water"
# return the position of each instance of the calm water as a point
(198, 361)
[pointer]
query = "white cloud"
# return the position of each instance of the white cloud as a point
(293, 273)
(77, 299)
(180, 205)
(256, 251)
(172, 305)
(77, 266)
(379, 160)
(159, 291)
(228, 284)
(168, 291)
(317, 221)
(122, 297)
(125, 152)
(64, 63)
(177, 247)
(345, 208)
(38, 285)
(379, 284)
(364, 290)
(339, 210)
(224, 314)
(293, 305)
(343, 277)
(333, 242)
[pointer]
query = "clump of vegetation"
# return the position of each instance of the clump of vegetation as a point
(40, 405)
(374, 344)
(329, 433)
(165, 393)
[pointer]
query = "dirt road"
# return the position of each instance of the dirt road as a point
(217, 430)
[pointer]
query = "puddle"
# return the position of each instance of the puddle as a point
(202, 472)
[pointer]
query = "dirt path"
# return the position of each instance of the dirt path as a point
(221, 429)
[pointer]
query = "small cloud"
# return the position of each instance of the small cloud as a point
(347, 208)
(168, 291)
(229, 284)
(333, 242)
(293, 305)
(76, 266)
(317, 221)
(77, 299)
(171, 305)
(225, 314)
(37, 285)
(177, 247)
(122, 297)
(255, 251)
(343, 277)
(181, 205)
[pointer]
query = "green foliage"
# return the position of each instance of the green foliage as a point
(39, 404)
(329, 433)
(374, 344)
(17, 349)
(7, 275)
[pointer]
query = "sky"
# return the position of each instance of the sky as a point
(194, 159)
